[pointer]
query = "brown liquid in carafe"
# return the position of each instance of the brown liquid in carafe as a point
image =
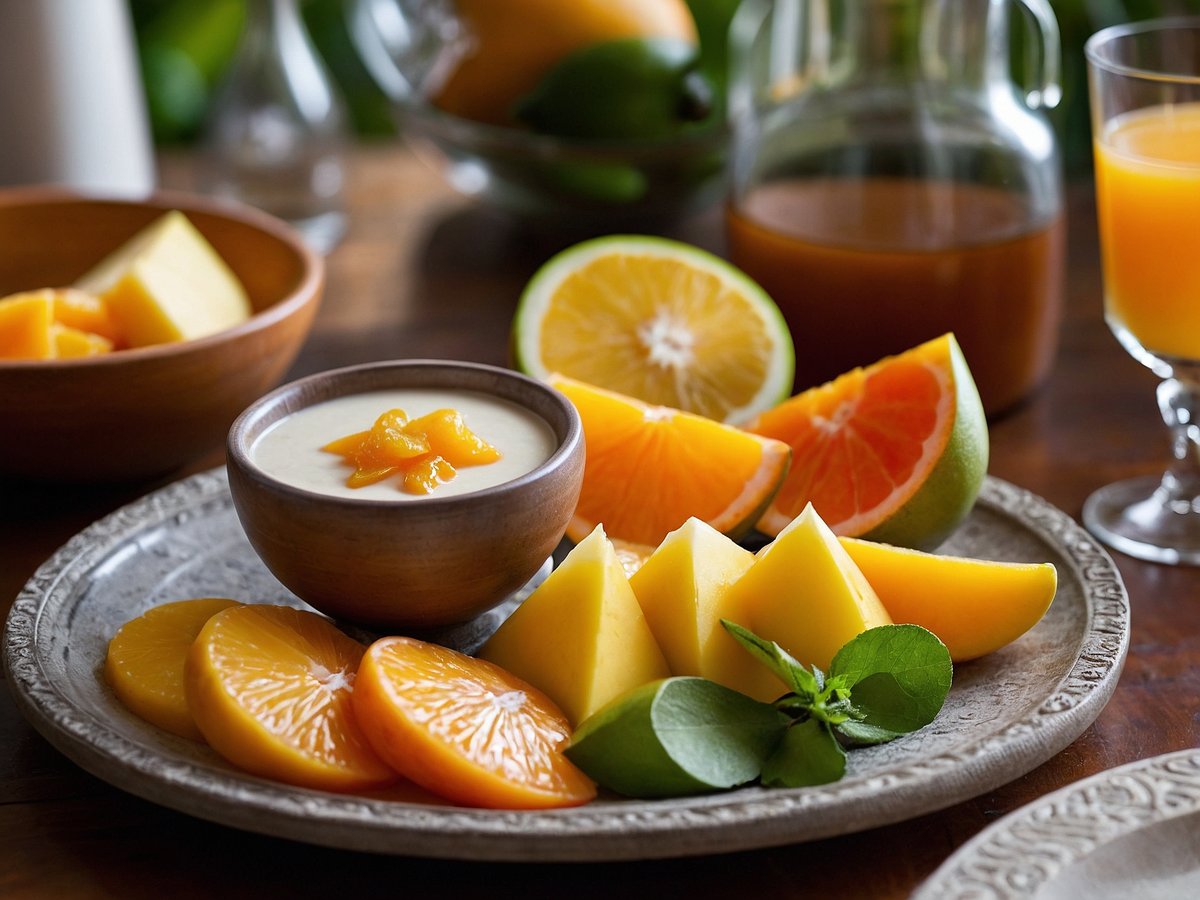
(864, 268)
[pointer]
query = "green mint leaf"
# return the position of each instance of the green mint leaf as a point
(820, 677)
(784, 665)
(860, 734)
(676, 737)
(808, 755)
(899, 676)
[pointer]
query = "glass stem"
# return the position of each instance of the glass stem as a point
(1178, 403)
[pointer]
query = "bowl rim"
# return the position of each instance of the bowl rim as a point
(307, 291)
(239, 457)
(439, 124)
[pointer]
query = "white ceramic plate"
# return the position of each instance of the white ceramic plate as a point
(1006, 713)
(1130, 832)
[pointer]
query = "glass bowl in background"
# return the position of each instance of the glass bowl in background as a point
(584, 185)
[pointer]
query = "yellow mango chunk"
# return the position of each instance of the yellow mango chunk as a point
(580, 637)
(146, 658)
(25, 321)
(682, 589)
(71, 343)
(167, 283)
(85, 312)
(805, 593)
(975, 606)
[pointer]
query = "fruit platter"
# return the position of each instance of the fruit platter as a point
(1006, 714)
(773, 616)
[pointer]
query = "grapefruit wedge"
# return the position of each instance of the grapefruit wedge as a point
(651, 468)
(895, 452)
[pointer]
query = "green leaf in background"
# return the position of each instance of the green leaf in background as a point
(675, 737)
(1077, 21)
(712, 19)
(808, 755)
(184, 47)
(369, 108)
(898, 675)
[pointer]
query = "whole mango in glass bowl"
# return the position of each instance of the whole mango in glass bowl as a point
(596, 113)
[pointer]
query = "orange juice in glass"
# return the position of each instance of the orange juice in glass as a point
(1148, 196)
(1145, 95)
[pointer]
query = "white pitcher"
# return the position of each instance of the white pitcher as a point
(72, 109)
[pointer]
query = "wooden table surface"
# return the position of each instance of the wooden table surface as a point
(423, 272)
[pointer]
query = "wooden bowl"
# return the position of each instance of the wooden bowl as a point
(407, 563)
(138, 413)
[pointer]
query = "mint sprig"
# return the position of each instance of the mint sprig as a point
(686, 735)
(884, 683)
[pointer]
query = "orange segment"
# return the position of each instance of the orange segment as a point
(465, 728)
(144, 666)
(650, 468)
(25, 321)
(868, 445)
(270, 689)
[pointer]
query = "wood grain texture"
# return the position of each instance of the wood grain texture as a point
(424, 273)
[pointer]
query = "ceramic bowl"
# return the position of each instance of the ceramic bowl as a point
(420, 563)
(138, 413)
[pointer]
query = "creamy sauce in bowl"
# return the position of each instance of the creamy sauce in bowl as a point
(290, 450)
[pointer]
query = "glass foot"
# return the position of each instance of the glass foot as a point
(1140, 518)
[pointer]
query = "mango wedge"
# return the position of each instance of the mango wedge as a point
(580, 638)
(975, 606)
(805, 593)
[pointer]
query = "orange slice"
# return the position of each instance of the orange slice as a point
(270, 687)
(466, 729)
(658, 320)
(651, 468)
(896, 452)
(144, 666)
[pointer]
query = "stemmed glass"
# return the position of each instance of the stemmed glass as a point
(1145, 97)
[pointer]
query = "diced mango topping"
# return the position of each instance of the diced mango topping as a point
(425, 452)
(55, 323)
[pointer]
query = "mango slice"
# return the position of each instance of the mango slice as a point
(25, 321)
(682, 589)
(86, 312)
(975, 606)
(167, 283)
(805, 593)
(580, 637)
(71, 343)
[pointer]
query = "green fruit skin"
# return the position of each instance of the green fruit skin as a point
(630, 89)
(618, 748)
(947, 496)
(625, 748)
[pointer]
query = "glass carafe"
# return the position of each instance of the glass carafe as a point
(892, 181)
(276, 133)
